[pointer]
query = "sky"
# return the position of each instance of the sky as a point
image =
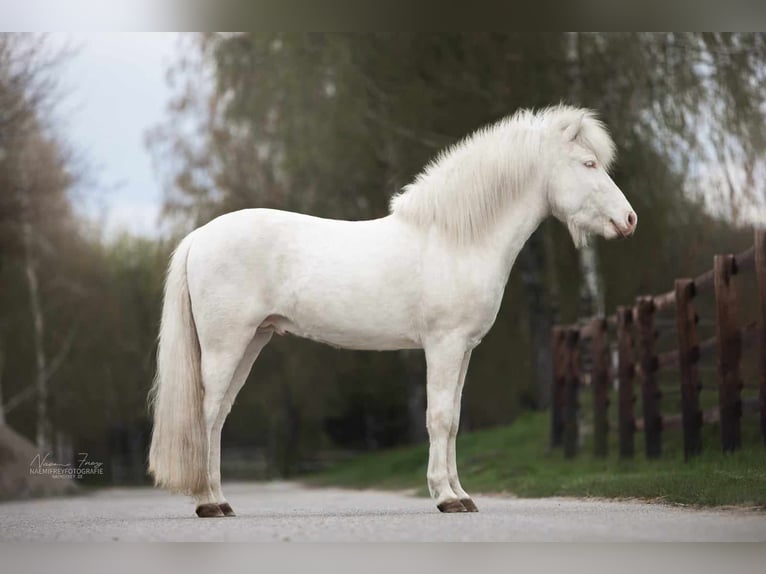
(114, 90)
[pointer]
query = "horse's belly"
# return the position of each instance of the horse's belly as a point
(341, 334)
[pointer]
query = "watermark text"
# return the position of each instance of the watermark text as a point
(80, 468)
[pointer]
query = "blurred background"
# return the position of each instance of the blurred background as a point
(112, 147)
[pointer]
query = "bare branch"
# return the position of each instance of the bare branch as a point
(19, 398)
(61, 356)
(30, 391)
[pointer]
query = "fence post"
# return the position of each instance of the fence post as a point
(625, 372)
(600, 383)
(571, 388)
(650, 392)
(689, 355)
(760, 273)
(729, 343)
(558, 354)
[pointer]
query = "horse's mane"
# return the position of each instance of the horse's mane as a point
(465, 187)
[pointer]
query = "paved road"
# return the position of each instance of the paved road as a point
(290, 512)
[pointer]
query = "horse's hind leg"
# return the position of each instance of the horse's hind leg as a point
(240, 376)
(221, 357)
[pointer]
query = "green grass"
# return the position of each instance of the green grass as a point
(516, 460)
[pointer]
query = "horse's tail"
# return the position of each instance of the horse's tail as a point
(178, 454)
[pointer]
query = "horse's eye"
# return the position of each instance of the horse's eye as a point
(590, 163)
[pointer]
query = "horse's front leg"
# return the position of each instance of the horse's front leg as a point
(454, 480)
(444, 361)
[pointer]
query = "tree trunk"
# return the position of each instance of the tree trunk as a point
(533, 267)
(416, 399)
(2, 369)
(43, 435)
(591, 289)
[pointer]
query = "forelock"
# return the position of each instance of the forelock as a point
(595, 136)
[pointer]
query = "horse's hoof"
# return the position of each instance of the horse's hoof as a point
(226, 509)
(209, 510)
(469, 505)
(451, 506)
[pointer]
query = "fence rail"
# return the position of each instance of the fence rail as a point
(637, 358)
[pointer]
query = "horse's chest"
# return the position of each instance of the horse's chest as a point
(465, 303)
(480, 315)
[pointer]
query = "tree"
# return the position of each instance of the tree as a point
(332, 124)
(35, 181)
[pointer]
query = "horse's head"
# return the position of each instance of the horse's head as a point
(580, 191)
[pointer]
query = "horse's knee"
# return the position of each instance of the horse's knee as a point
(438, 422)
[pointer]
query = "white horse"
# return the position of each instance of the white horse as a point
(430, 275)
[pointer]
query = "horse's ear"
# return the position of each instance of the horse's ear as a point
(573, 127)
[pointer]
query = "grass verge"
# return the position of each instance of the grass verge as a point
(516, 460)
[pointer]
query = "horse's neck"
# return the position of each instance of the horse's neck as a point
(519, 221)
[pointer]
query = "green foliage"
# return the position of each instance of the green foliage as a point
(102, 312)
(516, 460)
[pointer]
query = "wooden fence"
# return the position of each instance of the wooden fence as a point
(635, 347)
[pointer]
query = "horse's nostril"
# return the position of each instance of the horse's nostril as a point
(632, 219)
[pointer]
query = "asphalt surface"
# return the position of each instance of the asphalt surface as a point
(288, 512)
